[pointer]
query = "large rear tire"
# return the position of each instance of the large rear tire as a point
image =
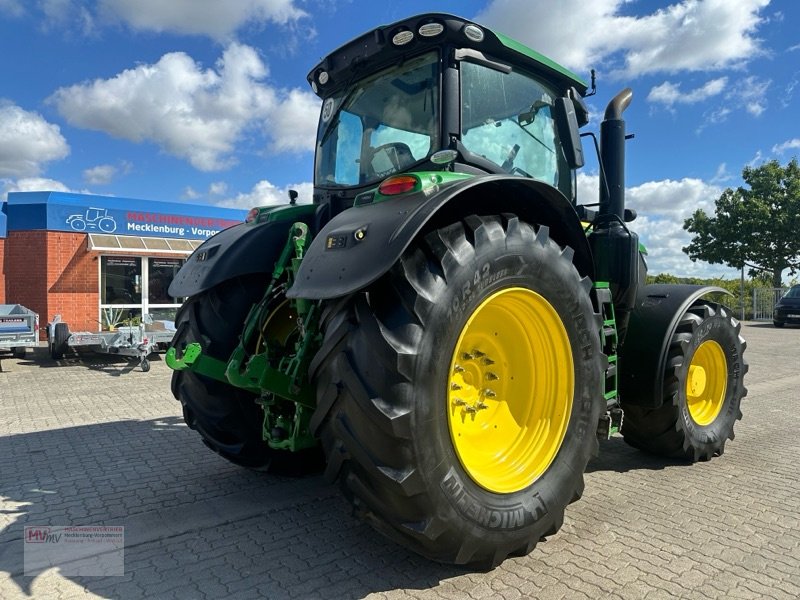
(703, 389)
(458, 398)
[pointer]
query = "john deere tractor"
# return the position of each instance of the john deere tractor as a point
(445, 321)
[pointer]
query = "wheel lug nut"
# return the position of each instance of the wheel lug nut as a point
(467, 356)
(471, 409)
(488, 361)
(478, 354)
(491, 376)
(454, 386)
(489, 393)
(458, 369)
(481, 405)
(459, 402)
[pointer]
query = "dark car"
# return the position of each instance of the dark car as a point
(787, 310)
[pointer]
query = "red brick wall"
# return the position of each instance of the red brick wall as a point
(52, 272)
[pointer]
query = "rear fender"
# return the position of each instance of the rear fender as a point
(361, 244)
(653, 322)
(239, 250)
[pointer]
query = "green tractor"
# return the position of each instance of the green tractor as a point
(445, 321)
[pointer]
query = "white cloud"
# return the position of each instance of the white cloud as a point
(99, 175)
(11, 8)
(690, 35)
(27, 142)
(189, 193)
(670, 93)
(751, 94)
(193, 113)
(217, 188)
(200, 17)
(662, 207)
(31, 184)
(792, 144)
(66, 16)
(265, 193)
(293, 125)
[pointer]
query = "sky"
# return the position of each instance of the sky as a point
(205, 101)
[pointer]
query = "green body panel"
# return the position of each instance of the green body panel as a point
(513, 44)
(429, 182)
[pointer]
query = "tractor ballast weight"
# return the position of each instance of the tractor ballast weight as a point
(446, 322)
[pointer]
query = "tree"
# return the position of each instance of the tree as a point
(757, 227)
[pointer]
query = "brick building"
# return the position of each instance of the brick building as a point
(98, 260)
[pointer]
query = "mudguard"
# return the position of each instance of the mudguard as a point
(643, 356)
(361, 244)
(239, 250)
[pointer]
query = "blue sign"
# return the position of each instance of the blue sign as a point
(83, 213)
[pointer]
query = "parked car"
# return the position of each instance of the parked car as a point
(787, 310)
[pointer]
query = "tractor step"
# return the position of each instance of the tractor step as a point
(610, 423)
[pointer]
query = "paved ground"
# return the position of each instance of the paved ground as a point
(92, 441)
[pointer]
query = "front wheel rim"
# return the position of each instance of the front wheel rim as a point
(706, 383)
(510, 390)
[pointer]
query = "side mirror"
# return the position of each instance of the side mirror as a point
(292, 196)
(568, 132)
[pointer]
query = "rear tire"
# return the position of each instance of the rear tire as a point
(19, 352)
(778, 324)
(391, 419)
(703, 389)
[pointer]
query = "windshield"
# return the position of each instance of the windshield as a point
(794, 292)
(508, 119)
(380, 125)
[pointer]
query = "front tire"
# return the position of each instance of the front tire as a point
(425, 454)
(226, 417)
(703, 389)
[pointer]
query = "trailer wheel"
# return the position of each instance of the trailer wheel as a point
(703, 389)
(458, 398)
(58, 345)
(145, 365)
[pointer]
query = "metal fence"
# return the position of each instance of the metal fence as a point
(764, 300)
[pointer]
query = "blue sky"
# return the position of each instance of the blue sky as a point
(206, 101)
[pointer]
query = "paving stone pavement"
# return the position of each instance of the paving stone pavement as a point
(91, 441)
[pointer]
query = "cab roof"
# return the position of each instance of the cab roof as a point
(390, 44)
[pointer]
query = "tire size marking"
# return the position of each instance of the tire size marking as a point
(482, 278)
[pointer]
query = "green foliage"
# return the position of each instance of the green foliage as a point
(757, 227)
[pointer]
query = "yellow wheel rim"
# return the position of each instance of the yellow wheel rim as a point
(706, 383)
(510, 390)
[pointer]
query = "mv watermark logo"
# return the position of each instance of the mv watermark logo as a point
(41, 535)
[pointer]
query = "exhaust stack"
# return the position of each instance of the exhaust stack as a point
(612, 155)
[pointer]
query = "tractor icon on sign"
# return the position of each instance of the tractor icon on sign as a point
(92, 219)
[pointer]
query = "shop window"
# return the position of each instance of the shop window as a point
(132, 286)
(120, 280)
(161, 273)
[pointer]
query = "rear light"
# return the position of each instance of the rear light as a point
(399, 184)
(251, 216)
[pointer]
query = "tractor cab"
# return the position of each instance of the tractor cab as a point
(440, 93)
